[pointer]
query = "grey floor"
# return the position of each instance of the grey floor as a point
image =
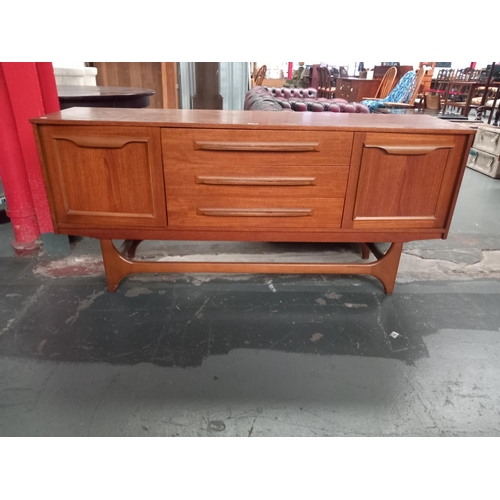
(197, 355)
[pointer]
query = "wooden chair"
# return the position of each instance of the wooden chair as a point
(438, 87)
(405, 92)
(427, 80)
(325, 88)
(408, 101)
(386, 84)
(459, 91)
(259, 76)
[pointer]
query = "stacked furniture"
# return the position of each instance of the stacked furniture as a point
(284, 99)
(484, 155)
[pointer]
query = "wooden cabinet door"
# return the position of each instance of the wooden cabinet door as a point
(105, 176)
(403, 181)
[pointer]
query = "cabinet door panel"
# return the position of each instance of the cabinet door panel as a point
(106, 176)
(398, 185)
(402, 181)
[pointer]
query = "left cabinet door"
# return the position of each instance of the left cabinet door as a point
(104, 176)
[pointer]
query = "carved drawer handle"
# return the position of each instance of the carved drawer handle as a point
(256, 181)
(295, 147)
(409, 150)
(255, 212)
(92, 141)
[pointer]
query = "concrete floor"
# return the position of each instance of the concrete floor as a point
(197, 355)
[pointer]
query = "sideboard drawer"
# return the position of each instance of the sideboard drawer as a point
(253, 213)
(255, 147)
(269, 182)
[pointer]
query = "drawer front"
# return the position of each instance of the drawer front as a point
(345, 90)
(271, 183)
(255, 147)
(254, 213)
(488, 141)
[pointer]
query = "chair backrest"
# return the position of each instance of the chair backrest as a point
(403, 89)
(260, 75)
(418, 80)
(323, 84)
(387, 83)
(445, 74)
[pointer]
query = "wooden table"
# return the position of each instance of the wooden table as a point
(155, 174)
(103, 97)
(355, 89)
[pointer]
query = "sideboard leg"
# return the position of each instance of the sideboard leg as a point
(386, 268)
(365, 251)
(115, 265)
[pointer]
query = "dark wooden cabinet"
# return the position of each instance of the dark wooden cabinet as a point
(355, 89)
(251, 176)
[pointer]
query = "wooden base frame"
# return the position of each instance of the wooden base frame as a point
(119, 264)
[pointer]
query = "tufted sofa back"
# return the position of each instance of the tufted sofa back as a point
(284, 99)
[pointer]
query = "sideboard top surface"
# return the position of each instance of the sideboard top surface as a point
(252, 120)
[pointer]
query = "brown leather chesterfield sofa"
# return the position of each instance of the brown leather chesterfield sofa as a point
(283, 99)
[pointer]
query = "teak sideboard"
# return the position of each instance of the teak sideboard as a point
(151, 174)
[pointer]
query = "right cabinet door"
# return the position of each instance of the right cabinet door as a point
(403, 181)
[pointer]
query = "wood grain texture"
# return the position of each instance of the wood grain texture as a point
(356, 89)
(170, 85)
(268, 182)
(109, 177)
(255, 147)
(233, 212)
(400, 191)
(256, 120)
(320, 235)
(132, 74)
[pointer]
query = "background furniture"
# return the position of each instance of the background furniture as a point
(207, 86)
(159, 76)
(75, 76)
(379, 72)
(250, 176)
(428, 74)
(403, 95)
(104, 97)
(259, 76)
(284, 99)
(484, 155)
(355, 89)
(459, 91)
(386, 84)
(325, 88)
